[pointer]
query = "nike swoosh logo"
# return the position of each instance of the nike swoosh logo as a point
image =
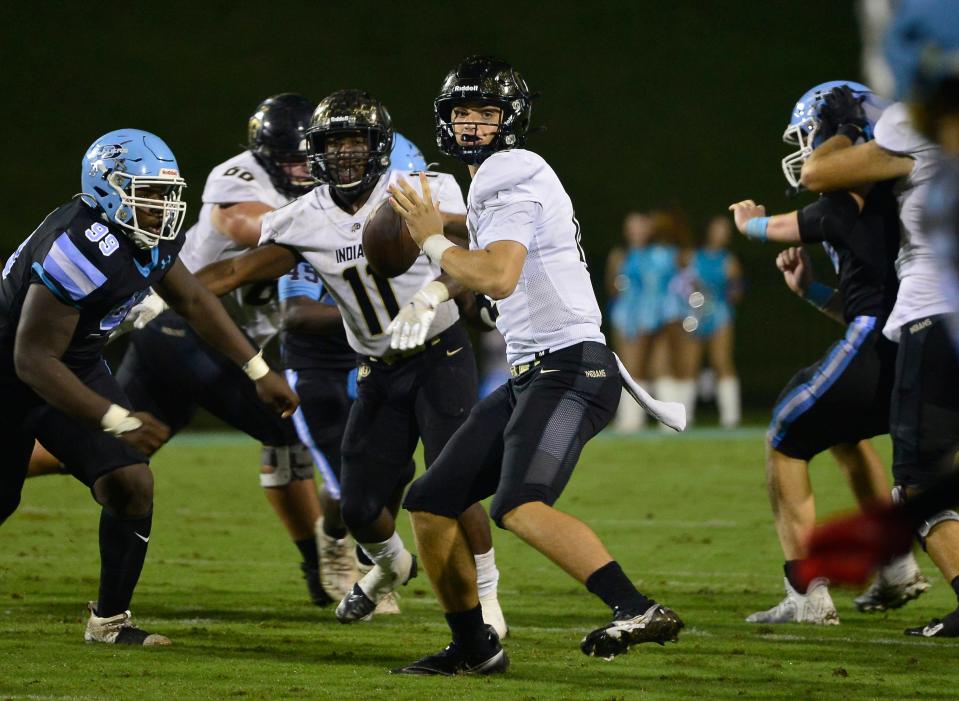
(543, 372)
(930, 631)
(145, 539)
(451, 353)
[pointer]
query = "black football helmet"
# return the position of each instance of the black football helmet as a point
(276, 137)
(344, 113)
(483, 80)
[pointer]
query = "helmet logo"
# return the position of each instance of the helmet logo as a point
(464, 88)
(108, 151)
(172, 172)
(348, 118)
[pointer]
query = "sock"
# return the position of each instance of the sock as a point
(789, 569)
(730, 406)
(611, 585)
(389, 555)
(470, 633)
(307, 548)
(686, 393)
(487, 575)
(123, 548)
(955, 586)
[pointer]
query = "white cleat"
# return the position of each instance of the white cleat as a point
(895, 585)
(815, 606)
(337, 563)
(493, 616)
(119, 630)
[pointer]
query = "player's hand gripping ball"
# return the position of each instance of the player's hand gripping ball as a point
(387, 243)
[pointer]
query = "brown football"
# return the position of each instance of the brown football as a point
(387, 244)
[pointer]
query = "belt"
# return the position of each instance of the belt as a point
(517, 370)
(403, 355)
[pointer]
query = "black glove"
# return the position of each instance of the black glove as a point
(842, 113)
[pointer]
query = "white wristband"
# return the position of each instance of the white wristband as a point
(256, 367)
(435, 245)
(118, 420)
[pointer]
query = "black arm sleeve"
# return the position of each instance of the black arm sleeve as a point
(830, 218)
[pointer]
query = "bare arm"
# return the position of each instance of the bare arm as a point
(493, 270)
(304, 315)
(614, 261)
(838, 165)
(266, 262)
(43, 336)
(796, 268)
(780, 228)
(240, 221)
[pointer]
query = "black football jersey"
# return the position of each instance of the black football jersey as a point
(864, 254)
(88, 264)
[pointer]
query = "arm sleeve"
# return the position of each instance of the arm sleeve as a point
(830, 218)
(511, 222)
(301, 282)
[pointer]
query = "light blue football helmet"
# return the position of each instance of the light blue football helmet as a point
(803, 129)
(405, 155)
(133, 175)
(922, 46)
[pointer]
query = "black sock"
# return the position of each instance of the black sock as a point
(611, 585)
(307, 548)
(470, 633)
(338, 533)
(123, 547)
(362, 556)
(789, 569)
(955, 586)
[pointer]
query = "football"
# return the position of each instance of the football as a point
(387, 243)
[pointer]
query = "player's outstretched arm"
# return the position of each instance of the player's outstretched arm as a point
(195, 303)
(43, 335)
(240, 221)
(267, 262)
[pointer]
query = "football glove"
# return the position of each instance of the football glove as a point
(149, 308)
(842, 112)
(410, 326)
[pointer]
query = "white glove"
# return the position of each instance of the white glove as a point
(149, 308)
(411, 325)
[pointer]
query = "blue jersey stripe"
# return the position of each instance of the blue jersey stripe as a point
(51, 285)
(286, 288)
(797, 402)
(69, 267)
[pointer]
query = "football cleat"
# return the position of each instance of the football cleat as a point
(453, 660)
(896, 584)
(947, 627)
(337, 564)
(361, 601)
(318, 594)
(657, 624)
(815, 606)
(493, 615)
(118, 630)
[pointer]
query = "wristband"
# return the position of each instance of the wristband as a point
(435, 245)
(852, 132)
(818, 294)
(118, 420)
(435, 293)
(756, 228)
(256, 367)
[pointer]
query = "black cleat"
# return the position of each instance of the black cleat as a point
(318, 595)
(946, 627)
(657, 624)
(355, 606)
(452, 660)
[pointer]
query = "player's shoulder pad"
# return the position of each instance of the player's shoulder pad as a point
(238, 179)
(506, 172)
(895, 132)
(280, 224)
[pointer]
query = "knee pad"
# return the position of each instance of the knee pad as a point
(277, 458)
(926, 526)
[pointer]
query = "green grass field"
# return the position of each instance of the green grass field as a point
(685, 515)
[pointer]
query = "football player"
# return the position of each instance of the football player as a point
(924, 420)
(842, 400)
(62, 293)
(423, 392)
(922, 49)
(169, 371)
(522, 442)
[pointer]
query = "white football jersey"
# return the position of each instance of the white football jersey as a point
(516, 196)
(920, 288)
(331, 240)
(255, 308)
